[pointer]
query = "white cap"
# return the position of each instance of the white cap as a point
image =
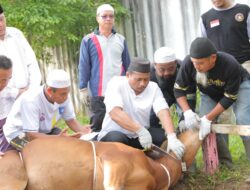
(58, 79)
(164, 55)
(104, 7)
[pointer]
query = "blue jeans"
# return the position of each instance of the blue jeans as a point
(241, 107)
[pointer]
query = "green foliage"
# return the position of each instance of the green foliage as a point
(46, 23)
(81, 118)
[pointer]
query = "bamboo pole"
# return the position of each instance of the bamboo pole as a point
(243, 130)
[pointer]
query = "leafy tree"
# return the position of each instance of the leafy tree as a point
(48, 23)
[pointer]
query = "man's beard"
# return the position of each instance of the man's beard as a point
(165, 83)
(201, 78)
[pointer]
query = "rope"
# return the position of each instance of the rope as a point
(95, 173)
(166, 170)
(21, 156)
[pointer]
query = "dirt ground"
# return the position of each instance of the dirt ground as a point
(200, 182)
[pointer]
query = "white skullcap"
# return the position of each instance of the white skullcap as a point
(104, 7)
(164, 55)
(58, 79)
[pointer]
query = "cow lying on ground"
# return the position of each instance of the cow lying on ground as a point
(72, 164)
(12, 172)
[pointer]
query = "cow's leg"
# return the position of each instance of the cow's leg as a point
(114, 175)
(123, 174)
(12, 172)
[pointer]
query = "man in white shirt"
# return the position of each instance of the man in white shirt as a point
(36, 112)
(13, 44)
(129, 100)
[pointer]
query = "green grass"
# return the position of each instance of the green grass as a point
(81, 118)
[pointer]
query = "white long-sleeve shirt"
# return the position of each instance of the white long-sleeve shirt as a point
(26, 72)
(7, 98)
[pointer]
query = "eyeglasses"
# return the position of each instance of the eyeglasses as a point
(105, 17)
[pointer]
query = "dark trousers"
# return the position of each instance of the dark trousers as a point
(98, 110)
(155, 122)
(158, 136)
(55, 131)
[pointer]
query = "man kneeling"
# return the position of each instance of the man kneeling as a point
(129, 100)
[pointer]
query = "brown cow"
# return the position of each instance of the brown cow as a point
(12, 172)
(72, 164)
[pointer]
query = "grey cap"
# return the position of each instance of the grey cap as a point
(201, 48)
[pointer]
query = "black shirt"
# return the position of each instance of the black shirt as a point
(224, 79)
(167, 85)
(227, 29)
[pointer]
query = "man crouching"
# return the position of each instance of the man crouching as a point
(36, 112)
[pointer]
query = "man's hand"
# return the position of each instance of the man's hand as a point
(84, 96)
(64, 132)
(182, 126)
(205, 127)
(175, 145)
(85, 129)
(75, 135)
(145, 138)
(191, 119)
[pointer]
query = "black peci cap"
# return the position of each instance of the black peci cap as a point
(140, 65)
(201, 48)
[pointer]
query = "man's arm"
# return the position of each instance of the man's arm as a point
(202, 30)
(73, 124)
(174, 144)
(183, 103)
(248, 25)
(123, 119)
(126, 122)
(218, 109)
(31, 63)
(125, 57)
(34, 135)
(84, 65)
(166, 121)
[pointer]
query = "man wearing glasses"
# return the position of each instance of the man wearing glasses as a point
(103, 54)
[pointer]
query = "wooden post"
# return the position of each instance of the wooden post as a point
(210, 154)
(243, 130)
(209, 147)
